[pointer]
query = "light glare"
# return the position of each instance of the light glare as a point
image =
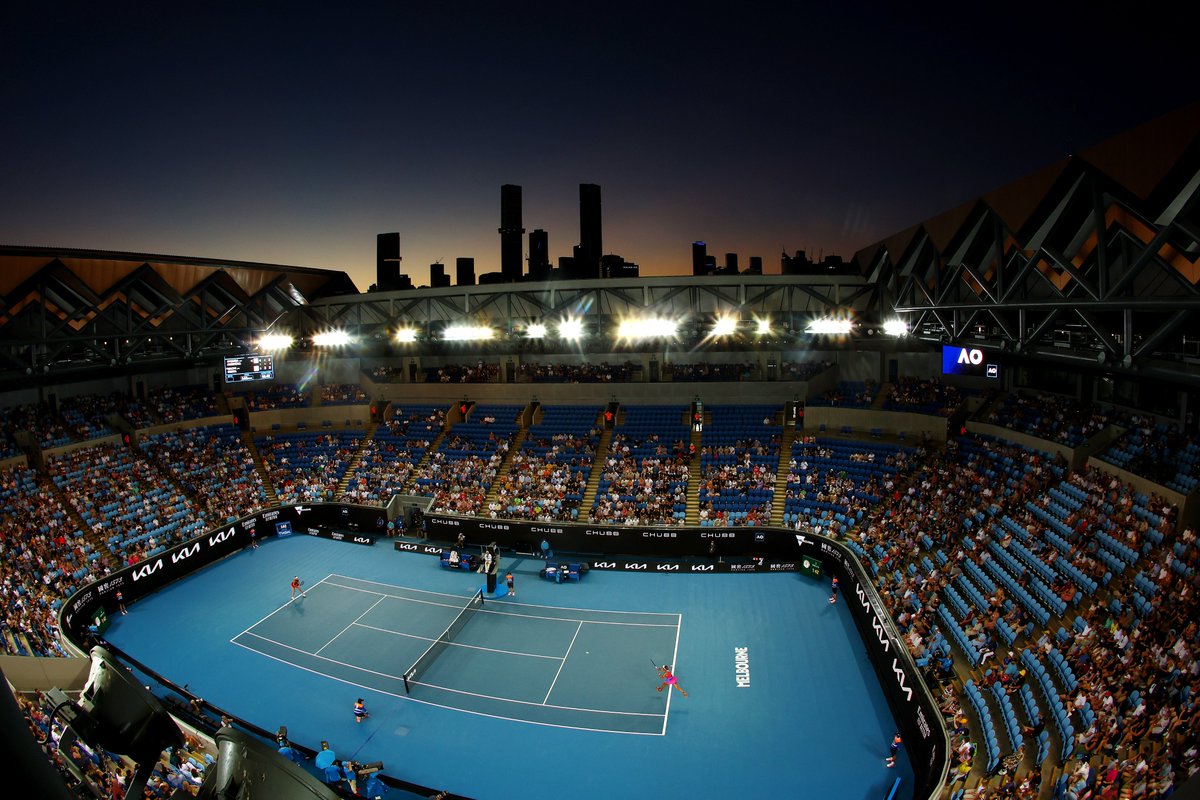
(635, 329)
(331, 339)
(536, 331)
(466, 333)
(895, 327)
(406, 335)
(275, 341)
(724, 326)
(831, 327)
(571, 329)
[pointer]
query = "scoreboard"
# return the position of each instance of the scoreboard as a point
(969, 361)
(249, 368)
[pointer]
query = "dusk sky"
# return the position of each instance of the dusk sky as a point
(293, 134)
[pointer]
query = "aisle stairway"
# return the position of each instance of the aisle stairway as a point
(505, 466)
(589, 492)
(260, 468)
(356, 459)
(693, 486)
(779, 499)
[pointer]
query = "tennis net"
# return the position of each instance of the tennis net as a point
(442, 642)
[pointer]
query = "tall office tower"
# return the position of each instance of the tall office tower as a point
(731, 263)
(512, 235)
(465, 271)
(539, 255)
(699, 256)
(387, 261)
(591, 232)
(755, 267)
(437, 275)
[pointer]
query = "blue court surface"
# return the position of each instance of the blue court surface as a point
(550, 693)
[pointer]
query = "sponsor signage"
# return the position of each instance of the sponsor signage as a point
(413, 547)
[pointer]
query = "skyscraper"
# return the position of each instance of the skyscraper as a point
(437, 275)
(699, 258)
(512, 235)
(464, 268)
(591, 232)
(387, 261)
(539, 255)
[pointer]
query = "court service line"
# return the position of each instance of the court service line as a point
(401, 597)
(456, 644)
(486, 610)
(314, 655)
(564, 661)
(282, 607)
(343, 630)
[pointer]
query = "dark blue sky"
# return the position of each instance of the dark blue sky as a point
(293, 134)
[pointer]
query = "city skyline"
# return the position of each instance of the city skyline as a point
(296, 139)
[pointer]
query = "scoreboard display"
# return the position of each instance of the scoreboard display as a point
(969, 361)
(249, 368)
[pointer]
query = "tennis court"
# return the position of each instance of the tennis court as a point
(806, 718)
(566, 667)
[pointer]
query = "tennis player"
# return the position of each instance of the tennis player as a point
(891, 759)
(360, 710)
(833, 592)
(296, 587)
(669, 679)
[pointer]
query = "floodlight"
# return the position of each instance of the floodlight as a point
(406, 335)
(830, 327)
(723, 326)
(331, 339)
(535, 330)
(895, 327)
(571, 328)
(275, 341)
(653, 328)
(466, 333)
(763, 326)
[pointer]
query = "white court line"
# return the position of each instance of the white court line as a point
(401, 597)
(564, 661)
(285, 605)
(527, 605)
(455, 644)
(674, 656)
(432, 685)
(456, 708)
(343, 630)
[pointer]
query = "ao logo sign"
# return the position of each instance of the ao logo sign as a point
(968, 355)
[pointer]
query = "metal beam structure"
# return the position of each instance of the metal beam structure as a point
(1095, 272)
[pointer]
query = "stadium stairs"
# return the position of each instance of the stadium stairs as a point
(505, 465)
(366, 438)
(410, 485)
(693, 487)
(93, 537)
(260, 468)
(593, 483)
(782, 473)
(885, 391)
